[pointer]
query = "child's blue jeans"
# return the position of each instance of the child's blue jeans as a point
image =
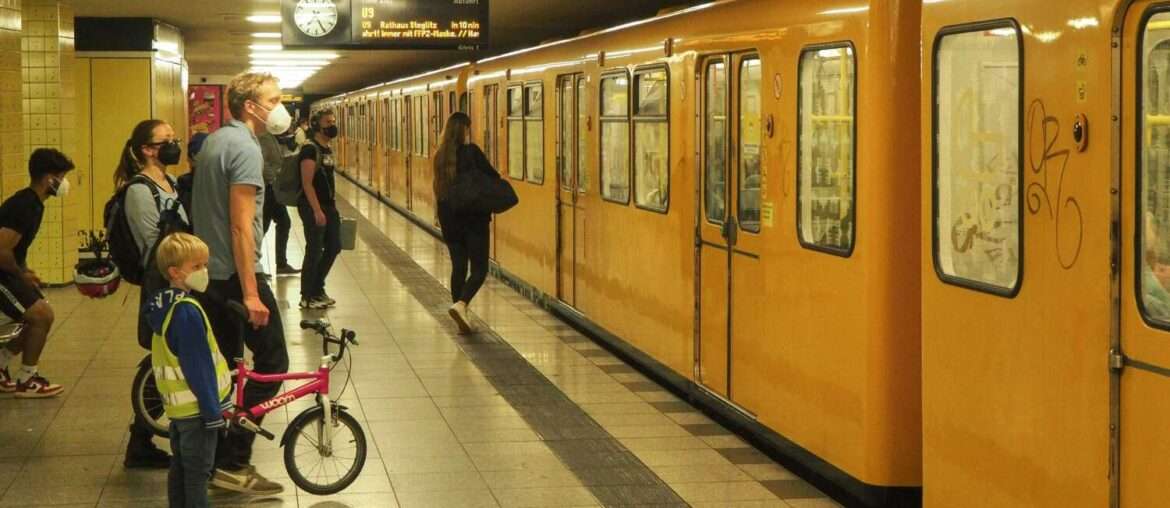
(193, 455)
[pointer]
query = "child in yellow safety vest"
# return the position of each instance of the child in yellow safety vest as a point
(192, 376)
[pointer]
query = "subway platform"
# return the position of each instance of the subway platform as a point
(526, 412)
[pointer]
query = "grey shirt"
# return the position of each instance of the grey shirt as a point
(142, 213)
(230, 156)
(273, 157)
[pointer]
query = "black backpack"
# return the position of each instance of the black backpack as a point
(124, 250)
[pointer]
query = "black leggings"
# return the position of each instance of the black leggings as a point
(276, 212)
(467, 244)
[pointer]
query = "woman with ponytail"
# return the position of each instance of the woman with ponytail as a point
(150, 192)
(467, 236)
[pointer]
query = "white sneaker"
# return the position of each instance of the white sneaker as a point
(458, 312)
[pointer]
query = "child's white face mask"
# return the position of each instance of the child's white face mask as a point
(198, 280)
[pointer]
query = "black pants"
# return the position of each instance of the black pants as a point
(274, 211)
(152, 282)
(322, 245)
(468, 243)
(269, 356)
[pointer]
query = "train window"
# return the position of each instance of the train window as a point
(977, 167)
(715, 144)
(582, 131)
(615, 138)
(750, 139)
(386, 144)
(490, 127)
(651, 139)
(1153, 250)
(826, 160)
(565, 122)
(515, 133)
(438, 119)
(465, 102)
(534, 132)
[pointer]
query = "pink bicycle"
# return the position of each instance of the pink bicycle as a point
(324, 446)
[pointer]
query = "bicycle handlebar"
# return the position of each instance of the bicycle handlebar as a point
(322, 328)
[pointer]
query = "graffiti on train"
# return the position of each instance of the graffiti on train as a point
(1047, 193)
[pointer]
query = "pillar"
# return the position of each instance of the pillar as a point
(49, 121)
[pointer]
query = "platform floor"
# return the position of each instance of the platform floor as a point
(527, 412)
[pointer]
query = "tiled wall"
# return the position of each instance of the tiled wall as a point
(12, 158)
(49, 104)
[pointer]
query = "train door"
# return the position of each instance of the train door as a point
(729, 211)
(570, 212)
(409, 147)
(1145, 310)
(372, 141)
(491, 130)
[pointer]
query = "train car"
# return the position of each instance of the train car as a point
(1046, 217)
(390, 131)
(727, 189)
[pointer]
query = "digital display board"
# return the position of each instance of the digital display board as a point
(385, 24)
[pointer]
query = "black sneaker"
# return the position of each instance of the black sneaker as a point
(146, 458)
(286, 269)
(325, 300)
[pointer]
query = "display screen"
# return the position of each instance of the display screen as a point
(386, 24)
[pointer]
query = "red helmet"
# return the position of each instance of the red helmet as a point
(97, 278)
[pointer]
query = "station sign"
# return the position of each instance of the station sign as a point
(384, 24)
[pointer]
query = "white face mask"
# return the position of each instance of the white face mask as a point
(62, 188)
(198, 280)
(278, 119)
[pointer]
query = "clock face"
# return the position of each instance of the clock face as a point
(316, 18)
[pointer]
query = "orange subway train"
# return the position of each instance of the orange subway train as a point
(912, 249)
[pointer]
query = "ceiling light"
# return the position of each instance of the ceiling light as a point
(289, 63)
(266, 35)
(264, 18)
(296, 55)
(266, 47)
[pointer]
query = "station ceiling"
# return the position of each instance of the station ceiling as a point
(218, 36)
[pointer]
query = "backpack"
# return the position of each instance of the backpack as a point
(124, 251)
(287, 186)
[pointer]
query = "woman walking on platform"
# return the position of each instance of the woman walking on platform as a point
(466, 235)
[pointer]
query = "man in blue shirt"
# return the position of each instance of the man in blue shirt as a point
(227, 212)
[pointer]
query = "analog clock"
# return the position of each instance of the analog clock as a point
(316, 18)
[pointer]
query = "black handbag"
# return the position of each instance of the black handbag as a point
(480, 192)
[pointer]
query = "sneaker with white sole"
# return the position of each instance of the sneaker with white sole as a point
(245, 481)
(326, 300)
(311, 303)
(37, 387)
(7, 382)
(458, 312)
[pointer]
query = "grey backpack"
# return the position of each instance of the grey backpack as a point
(288, 181)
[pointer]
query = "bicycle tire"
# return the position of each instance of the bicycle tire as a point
(293, 436)
(149, 408)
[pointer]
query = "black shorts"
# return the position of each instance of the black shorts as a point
(16, 296)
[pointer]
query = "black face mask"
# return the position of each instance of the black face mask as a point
(169, 153)
(330, 132)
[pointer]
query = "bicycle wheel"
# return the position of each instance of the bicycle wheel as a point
(315, 468)
(147, 402)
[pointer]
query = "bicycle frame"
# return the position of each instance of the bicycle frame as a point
(318, 383)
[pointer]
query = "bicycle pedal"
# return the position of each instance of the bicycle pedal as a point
(251, 426)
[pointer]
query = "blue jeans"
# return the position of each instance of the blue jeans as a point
(323, 246)
(193, 450)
